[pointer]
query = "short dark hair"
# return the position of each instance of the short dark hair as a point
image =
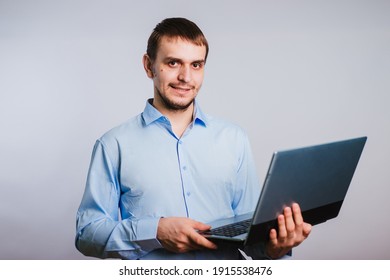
(175, 27)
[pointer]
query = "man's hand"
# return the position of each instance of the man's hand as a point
(180, 235)
(292, 232)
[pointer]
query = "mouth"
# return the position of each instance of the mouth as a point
(181, 88)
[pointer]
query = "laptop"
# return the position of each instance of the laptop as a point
(317, 177)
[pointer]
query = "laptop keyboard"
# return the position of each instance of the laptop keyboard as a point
(232, 230)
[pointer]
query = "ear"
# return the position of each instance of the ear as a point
(148, 66)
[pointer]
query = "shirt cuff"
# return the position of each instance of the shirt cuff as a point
(147, 234)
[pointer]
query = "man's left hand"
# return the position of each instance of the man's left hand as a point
(292, 231)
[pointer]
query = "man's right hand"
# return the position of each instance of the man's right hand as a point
(179, 235)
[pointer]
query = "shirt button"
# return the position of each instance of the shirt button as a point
(180, 142)
(184, 167)
(188, 193)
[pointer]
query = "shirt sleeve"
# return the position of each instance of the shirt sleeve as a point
(99, 230)
(247, 182)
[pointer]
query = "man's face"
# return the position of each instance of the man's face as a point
(177, 73)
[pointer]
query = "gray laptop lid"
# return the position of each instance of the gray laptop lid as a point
(316, 177)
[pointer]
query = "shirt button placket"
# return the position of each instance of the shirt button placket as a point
(184, 171)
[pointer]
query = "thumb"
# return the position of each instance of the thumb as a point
(306, 229)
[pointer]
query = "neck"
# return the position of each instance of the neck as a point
(179, 119)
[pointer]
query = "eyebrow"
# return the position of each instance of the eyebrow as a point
(170, 58)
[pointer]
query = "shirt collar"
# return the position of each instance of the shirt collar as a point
(151, 114)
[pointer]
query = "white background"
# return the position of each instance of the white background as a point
(291, 73)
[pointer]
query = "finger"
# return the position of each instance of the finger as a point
(180, 245)
(200, 242)
(185, 243)
(200, 226)
(297, 214)
(196, 240)
(282, 231)
(273, 237)
(290, 225)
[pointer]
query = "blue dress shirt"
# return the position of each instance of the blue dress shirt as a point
(141, 171)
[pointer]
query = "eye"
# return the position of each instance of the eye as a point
(197, 65)
(173, 63)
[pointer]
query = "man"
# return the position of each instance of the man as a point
(155, 181)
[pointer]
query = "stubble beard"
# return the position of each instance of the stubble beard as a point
(174, 106)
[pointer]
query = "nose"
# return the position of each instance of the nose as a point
(185, 74)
